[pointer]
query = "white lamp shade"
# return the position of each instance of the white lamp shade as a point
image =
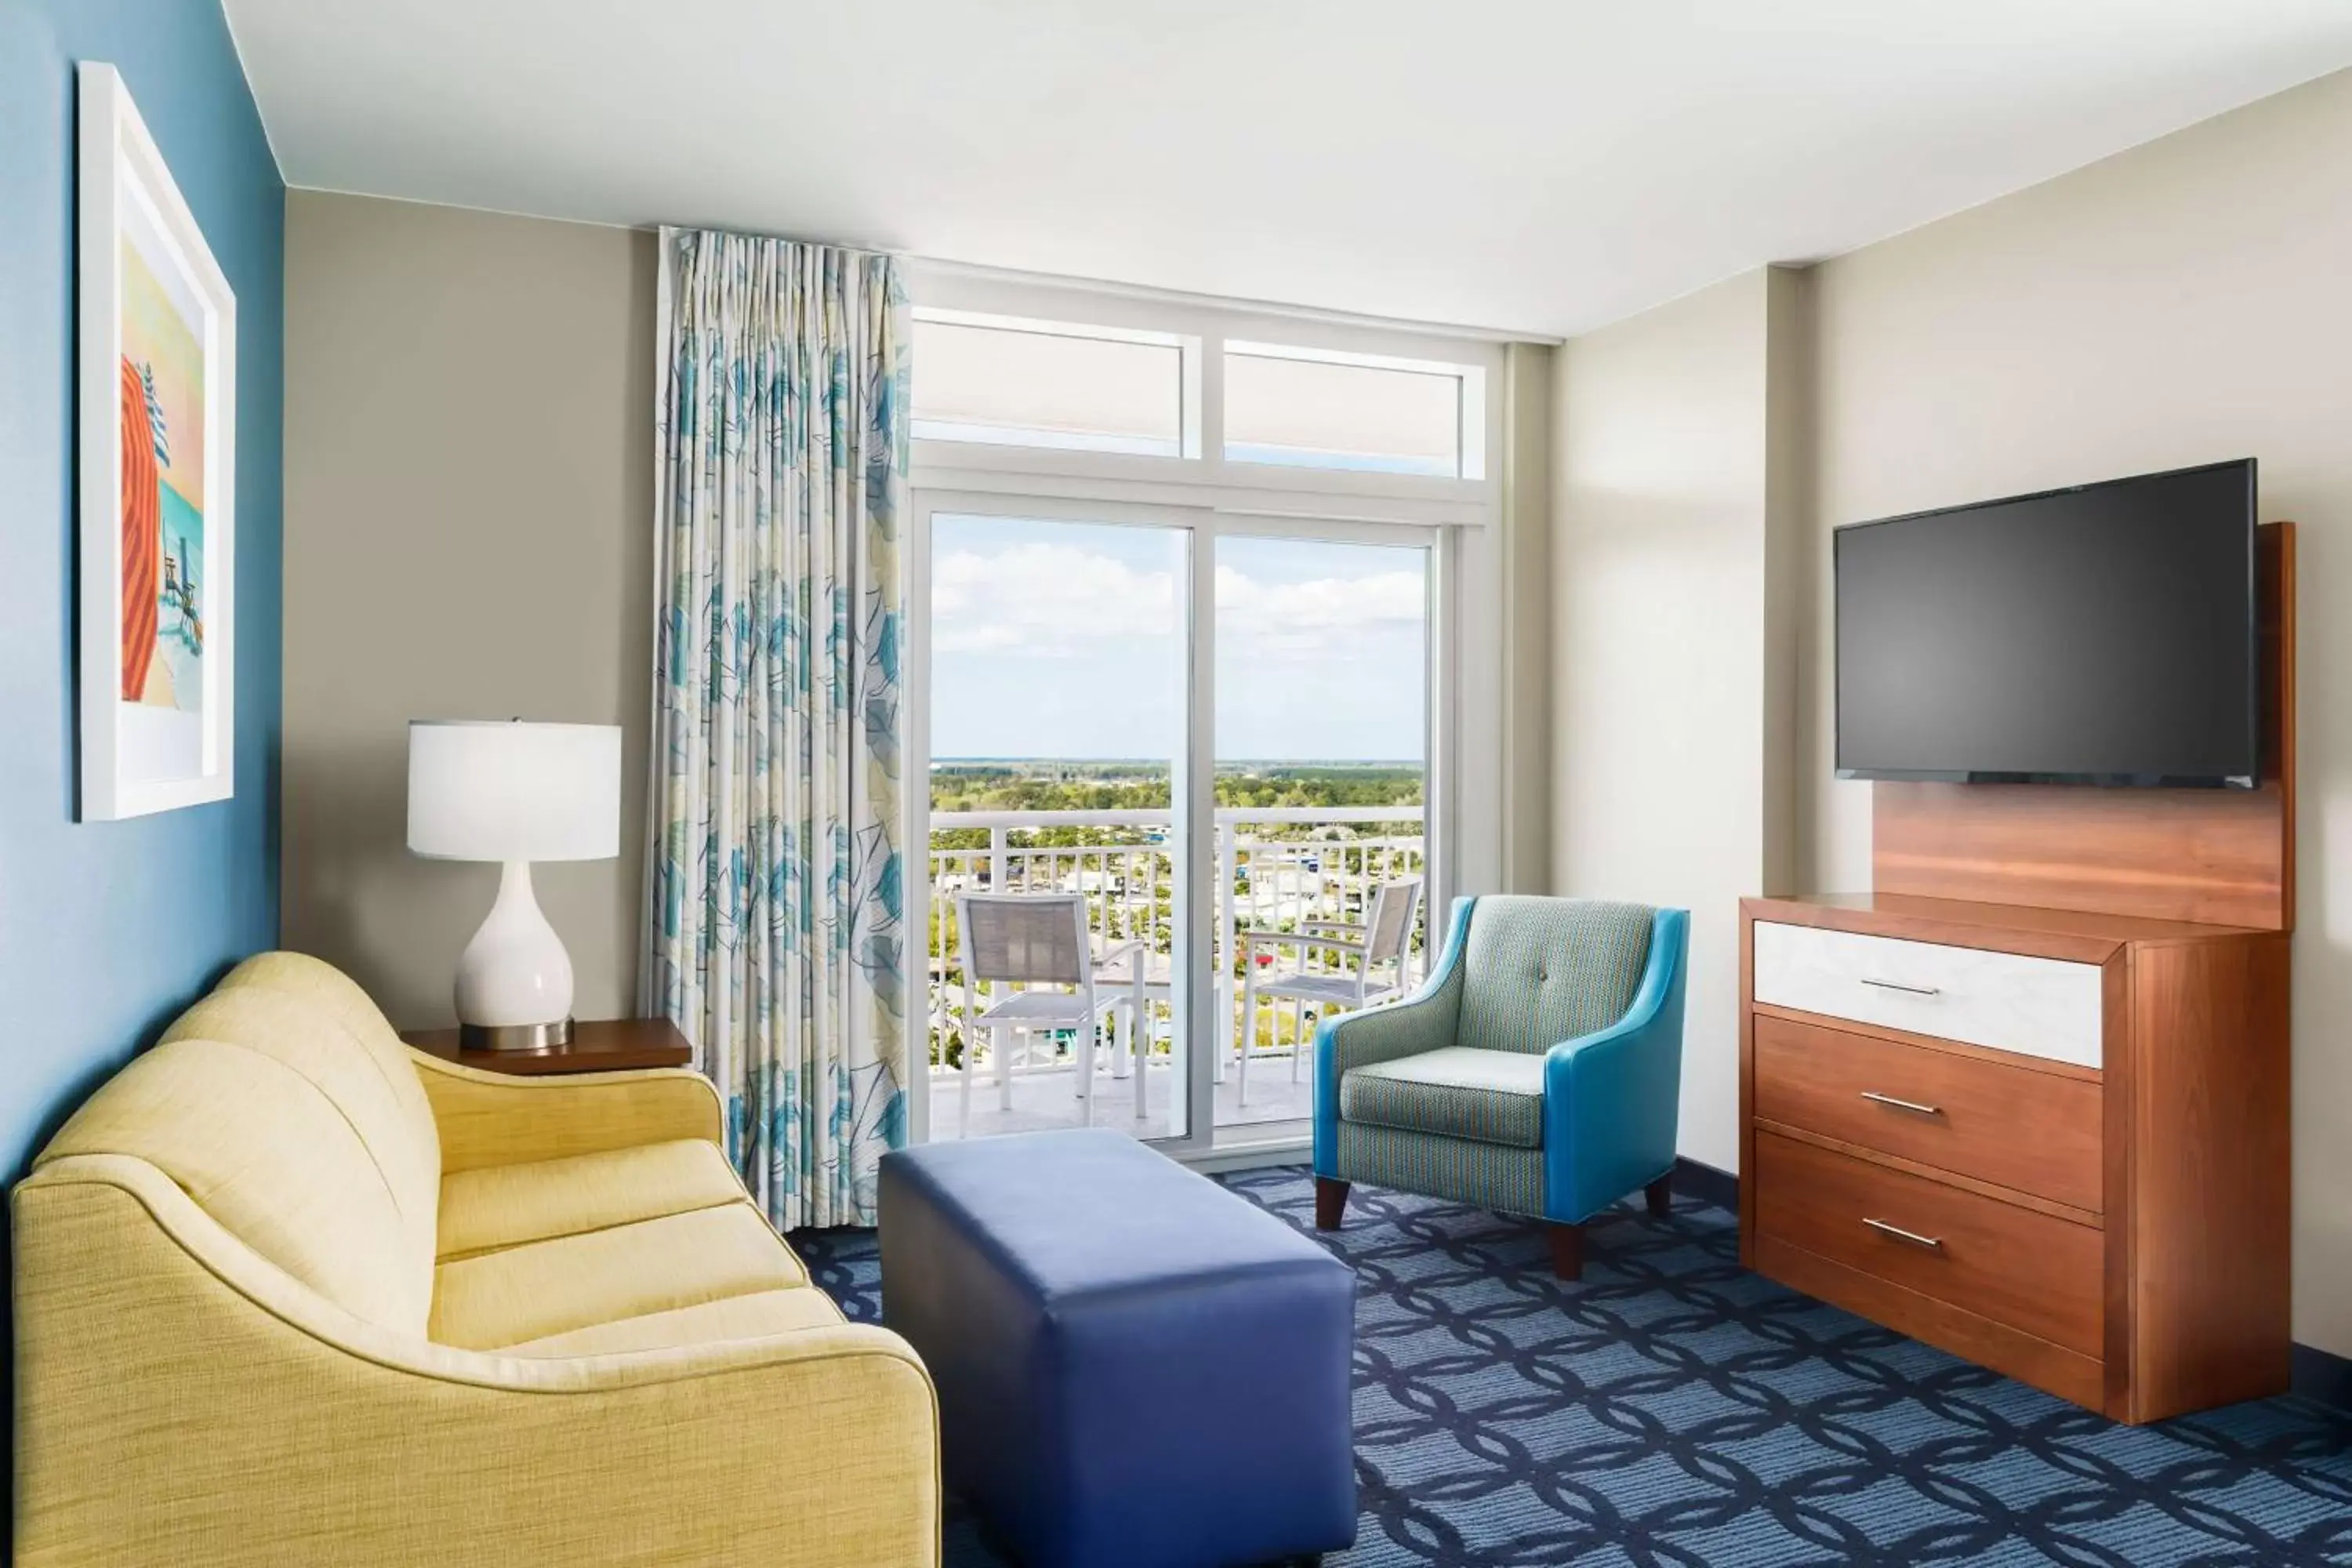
(487, 789)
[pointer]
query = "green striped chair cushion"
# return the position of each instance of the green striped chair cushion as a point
(1460, 1169)
(1494, 1097)
(1540, 971)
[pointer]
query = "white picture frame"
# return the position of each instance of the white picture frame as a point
(155, 360)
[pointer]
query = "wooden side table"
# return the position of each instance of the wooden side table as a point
(604, 1045)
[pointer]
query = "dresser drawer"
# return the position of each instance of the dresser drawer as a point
(2017, 1267)
(2012, 1126)
(2040, 1006)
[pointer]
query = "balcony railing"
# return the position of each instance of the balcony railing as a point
(1277, 868)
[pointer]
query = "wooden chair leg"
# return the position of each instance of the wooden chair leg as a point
(1331, 1203)
(1567, 1250)
(1660, 1195)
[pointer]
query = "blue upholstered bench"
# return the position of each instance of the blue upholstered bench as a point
(1135, 1367)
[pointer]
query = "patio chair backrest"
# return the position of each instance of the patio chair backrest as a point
(1390, 930)
(1033, 938)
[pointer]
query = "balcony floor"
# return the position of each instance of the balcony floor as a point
(1042, 1099)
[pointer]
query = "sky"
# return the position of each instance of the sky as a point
(1064, 640)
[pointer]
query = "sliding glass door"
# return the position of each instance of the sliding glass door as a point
(1322, 780)
(1171, 767)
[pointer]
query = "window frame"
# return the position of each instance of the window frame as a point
(1205, 492)
(1202, 473)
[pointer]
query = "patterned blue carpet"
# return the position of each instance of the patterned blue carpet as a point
(1676, 1409)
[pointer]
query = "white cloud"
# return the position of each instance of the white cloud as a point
(1059, 601)
(1045, 601)
(1323, 616)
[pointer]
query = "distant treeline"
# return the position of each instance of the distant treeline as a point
(1138, 786)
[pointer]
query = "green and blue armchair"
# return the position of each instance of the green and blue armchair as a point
(1537, 1072)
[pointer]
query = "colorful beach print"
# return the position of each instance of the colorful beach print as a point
(162, 405)
(155, 379)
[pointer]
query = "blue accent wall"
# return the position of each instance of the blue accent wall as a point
(107, 928)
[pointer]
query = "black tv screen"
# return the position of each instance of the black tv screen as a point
(2102, 635)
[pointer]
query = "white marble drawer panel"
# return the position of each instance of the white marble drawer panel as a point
(2007, 1001)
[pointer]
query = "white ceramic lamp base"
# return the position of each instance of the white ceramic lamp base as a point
(514, 979)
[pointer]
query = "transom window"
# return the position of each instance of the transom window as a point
(1021, 382)
(1008, 381)
(1311, 409)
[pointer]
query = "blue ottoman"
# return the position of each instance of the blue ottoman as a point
(1136, 1368)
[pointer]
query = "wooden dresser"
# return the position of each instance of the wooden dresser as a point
(2030, 1101)
(2053, 1143)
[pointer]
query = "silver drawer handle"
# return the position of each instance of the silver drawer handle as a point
(1933, 1244)
(1910, 1105)
(1898, 985)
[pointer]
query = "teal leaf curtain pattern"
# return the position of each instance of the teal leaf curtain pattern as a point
(775, 929)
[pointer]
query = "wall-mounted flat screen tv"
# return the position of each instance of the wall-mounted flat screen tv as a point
(2103, 635)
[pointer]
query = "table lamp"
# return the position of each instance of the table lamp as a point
(514, 793)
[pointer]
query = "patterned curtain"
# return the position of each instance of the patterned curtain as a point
(774, 928)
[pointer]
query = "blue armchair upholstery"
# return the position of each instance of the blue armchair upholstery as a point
(1538, 1070)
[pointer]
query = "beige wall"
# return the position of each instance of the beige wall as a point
(1527, 371)
(1669, 783)
(468, 483)
(1791, 477)
(2186, 301)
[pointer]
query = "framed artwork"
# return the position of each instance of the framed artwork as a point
(156, 362)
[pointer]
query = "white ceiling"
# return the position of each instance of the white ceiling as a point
(1536, 165)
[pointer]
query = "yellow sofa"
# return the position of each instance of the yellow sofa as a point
(288, 1292)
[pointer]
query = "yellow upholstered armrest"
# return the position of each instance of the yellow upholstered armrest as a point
(181, 1400)
(494, 1118)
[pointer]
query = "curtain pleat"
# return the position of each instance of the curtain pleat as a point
(775, 934)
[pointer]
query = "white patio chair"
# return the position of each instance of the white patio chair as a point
(1384, 939)
(1029, 940)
